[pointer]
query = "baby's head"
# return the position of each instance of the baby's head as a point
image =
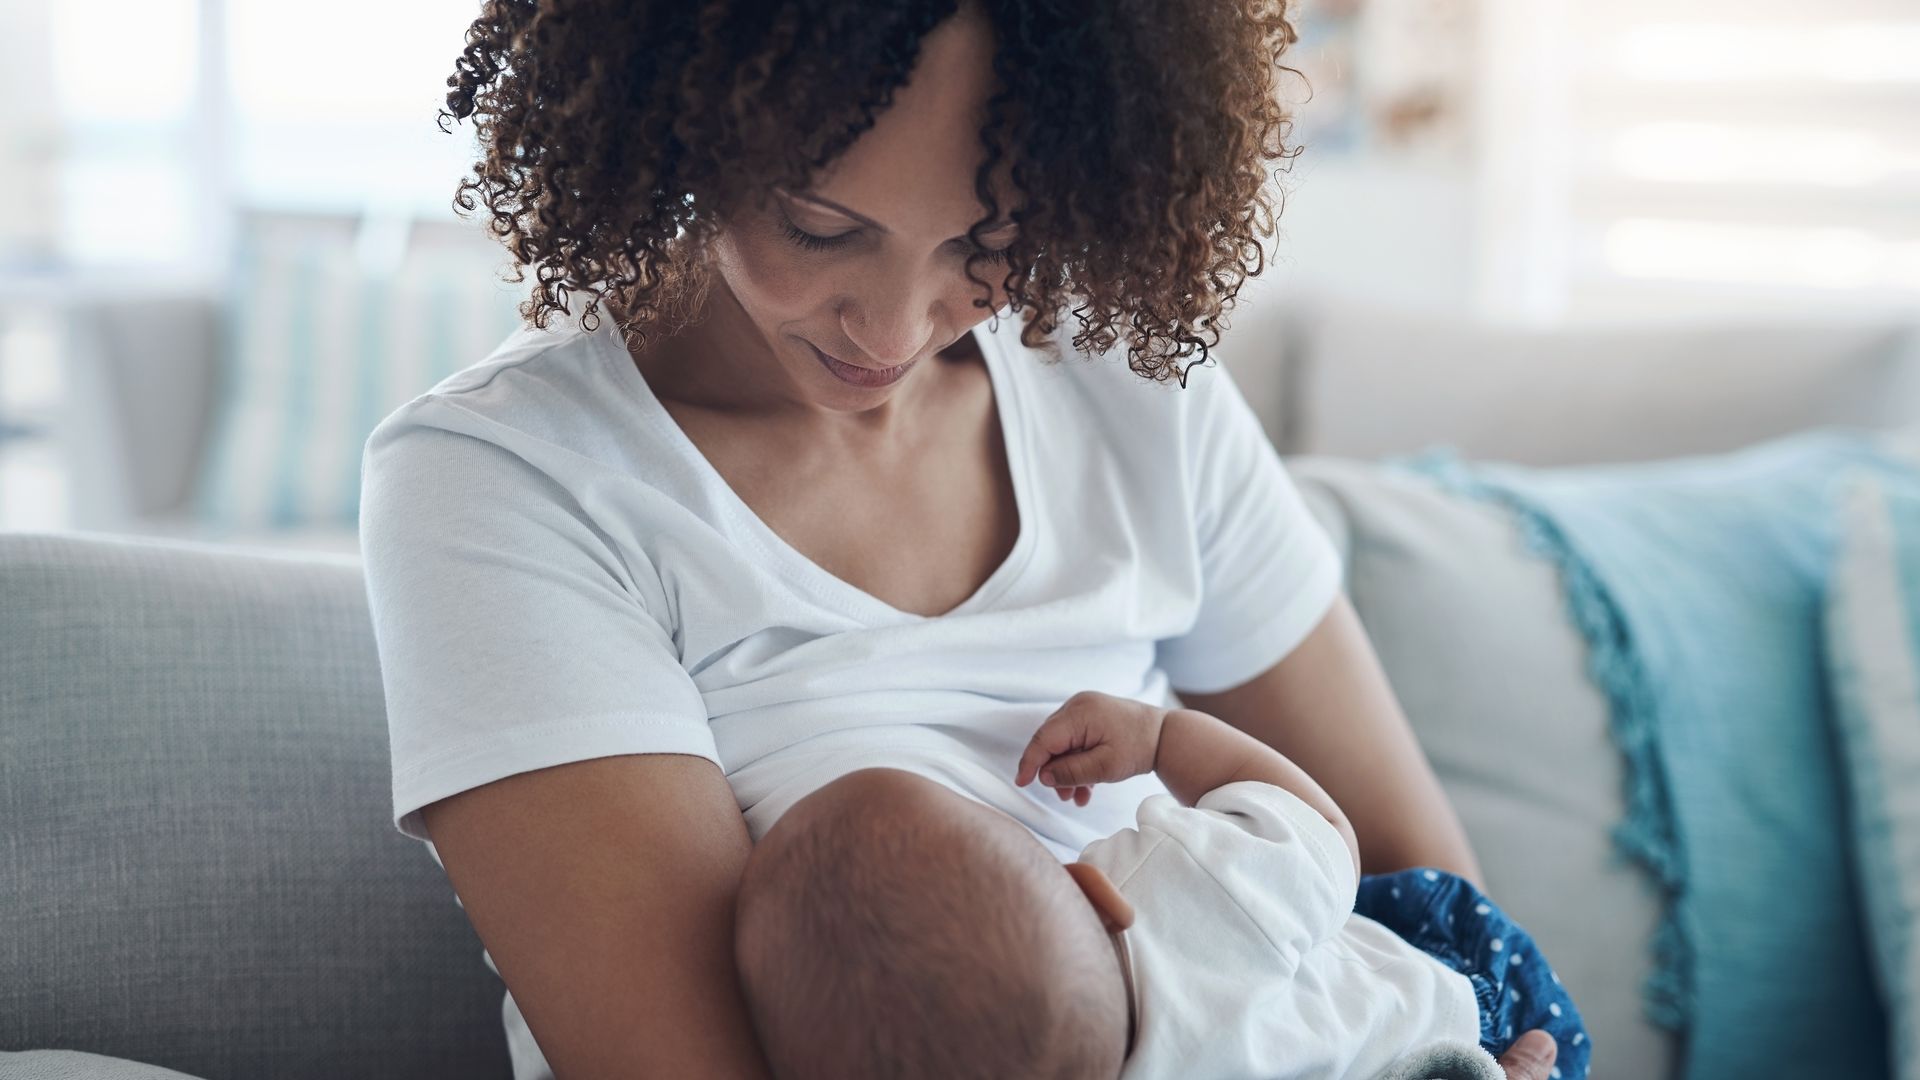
(888, 926)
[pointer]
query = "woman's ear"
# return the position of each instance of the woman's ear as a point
(1116, 911)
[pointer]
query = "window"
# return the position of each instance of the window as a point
(128, 119)
(337, 113)
(143, 125)
(1702, 154)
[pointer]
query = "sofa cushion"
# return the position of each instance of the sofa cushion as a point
(193, 783)
(1474, 635)
(1872, 637)
(1698, 584)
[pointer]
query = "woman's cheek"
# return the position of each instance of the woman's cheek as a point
(773, 277)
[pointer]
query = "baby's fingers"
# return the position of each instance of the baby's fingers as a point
(1052, 739)
(1030, 763)
(1081, 768)
(1031, 759)
(1079, 795)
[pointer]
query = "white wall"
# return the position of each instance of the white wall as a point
(1397, 234)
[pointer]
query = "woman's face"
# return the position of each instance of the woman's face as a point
(869, 265)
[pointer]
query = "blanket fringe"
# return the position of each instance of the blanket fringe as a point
(1649, 833)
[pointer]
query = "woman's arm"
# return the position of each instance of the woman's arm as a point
(1198, 753)
(1328, 706)
(604, 891)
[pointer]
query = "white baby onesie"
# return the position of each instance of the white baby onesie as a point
(1249, 961)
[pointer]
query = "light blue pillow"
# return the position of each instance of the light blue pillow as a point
(1698, 584)
(1873, 658)
(316, 352)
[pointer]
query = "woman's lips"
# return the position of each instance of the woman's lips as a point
(853, 374)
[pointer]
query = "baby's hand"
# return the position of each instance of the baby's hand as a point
(1092, 738)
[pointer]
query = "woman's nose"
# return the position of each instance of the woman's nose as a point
(891, 322)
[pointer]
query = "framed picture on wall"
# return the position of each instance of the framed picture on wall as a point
(1390, 78)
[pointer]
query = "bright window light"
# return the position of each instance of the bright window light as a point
(1745, 52)
(303, 138)
(119, 60)
(287, 65)
(121, 210)
(1824, 258)
(1722, 153)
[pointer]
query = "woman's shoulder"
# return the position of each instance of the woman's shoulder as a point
(1078, 393)
(1106, 375)
(560, 397)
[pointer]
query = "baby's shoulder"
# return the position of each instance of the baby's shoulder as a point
(1176, 842)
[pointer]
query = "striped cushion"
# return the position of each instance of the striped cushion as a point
(317, 351)
(1873, 658)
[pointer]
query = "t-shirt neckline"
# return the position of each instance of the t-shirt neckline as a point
(797, 567)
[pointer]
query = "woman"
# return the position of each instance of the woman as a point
(801, 506)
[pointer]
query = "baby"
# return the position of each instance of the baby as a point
(888, 926)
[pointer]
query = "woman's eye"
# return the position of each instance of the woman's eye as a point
(809, 241)
(822, 243)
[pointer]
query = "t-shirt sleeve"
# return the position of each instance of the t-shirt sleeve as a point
(512, 635)
(1248, 851)
(1269, 571)
(1275, 856)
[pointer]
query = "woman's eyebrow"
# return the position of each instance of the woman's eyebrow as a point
(997, 226)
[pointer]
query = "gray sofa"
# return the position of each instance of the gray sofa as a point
(201, 876)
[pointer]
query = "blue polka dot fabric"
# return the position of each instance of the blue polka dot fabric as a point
(1444, 915)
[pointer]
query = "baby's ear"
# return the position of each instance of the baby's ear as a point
(1115, 910)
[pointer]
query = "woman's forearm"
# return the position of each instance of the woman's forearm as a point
(604, 891)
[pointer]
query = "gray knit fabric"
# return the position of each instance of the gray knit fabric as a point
(1445, 1059)
(77, 1065)
(197, 866)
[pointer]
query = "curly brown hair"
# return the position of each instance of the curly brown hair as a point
(614, 133)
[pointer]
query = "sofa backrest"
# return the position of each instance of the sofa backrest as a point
(1365, 381)
(201, 872)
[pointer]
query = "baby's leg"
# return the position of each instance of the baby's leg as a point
(1445, 915)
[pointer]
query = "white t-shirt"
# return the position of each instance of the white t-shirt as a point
(556, 573)
(1249, 961)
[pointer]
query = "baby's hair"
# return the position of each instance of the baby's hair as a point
(880, 945)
